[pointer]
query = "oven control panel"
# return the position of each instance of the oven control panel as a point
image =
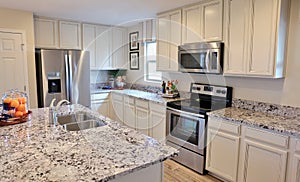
(209, 90)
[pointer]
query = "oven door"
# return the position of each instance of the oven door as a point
(186, 130)
(194, 61)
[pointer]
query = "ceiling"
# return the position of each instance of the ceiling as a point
(114, 12)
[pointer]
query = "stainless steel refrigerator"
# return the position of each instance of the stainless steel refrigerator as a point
(63, 74)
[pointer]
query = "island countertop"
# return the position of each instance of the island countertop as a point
(37, 150)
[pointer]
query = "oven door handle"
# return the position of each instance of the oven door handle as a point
(187, 114)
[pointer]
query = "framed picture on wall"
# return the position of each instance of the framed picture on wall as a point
(134, 60)
(134, 44)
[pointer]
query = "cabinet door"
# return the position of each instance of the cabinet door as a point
(163, 51)
(175, 39)
(262, 35)
(142, 120)
(212, 20)
(191, 23)
(262, 162)
(101, 107)
(89, 42)
(295, 175)
(46, 33)
(119, 58)
(129, 116)
(222, 154)
(117, 107)
(157, 125)
(103, 47)
(235, 48)
(69, 35)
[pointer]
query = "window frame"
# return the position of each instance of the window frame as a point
(146, 70)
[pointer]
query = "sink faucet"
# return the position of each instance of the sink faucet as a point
(53, 110)
(61, 102)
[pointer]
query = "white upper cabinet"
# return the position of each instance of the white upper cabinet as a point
(256, 40)
(203, 22)
(46, 33)
(119, 47)
(51, 33)
(168, 39)
(69, 35)
(107, 46)
(89, 42)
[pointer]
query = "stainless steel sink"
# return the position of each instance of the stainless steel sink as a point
(79, 121)
(83, 125)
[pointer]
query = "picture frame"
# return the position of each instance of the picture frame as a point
(134, 43)
(134, 60)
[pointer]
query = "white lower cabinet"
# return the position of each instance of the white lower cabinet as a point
(253, 155)
(100, 103)
(129, 112)
(144, 116)
(157, 121)
(293, 174)
(223, 143)
(116, 107)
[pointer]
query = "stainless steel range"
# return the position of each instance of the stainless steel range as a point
(187, 119)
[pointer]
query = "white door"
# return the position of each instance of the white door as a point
(12, 62)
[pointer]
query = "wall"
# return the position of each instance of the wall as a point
(22, 20)
(280, 91)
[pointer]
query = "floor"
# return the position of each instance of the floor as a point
(174, 172)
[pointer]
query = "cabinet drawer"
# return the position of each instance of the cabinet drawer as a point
(142, 103)
(221, 125)
(161, 108)
(267, 137)
(128, 100)
(101, 96)
(297, 148)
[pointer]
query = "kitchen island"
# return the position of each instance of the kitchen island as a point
(38, 150)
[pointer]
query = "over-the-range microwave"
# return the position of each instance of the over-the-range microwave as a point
(201, 57)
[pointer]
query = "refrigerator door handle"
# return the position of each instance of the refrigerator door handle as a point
(70, 98)
(67, 77)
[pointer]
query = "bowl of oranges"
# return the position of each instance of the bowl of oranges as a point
(15, 106)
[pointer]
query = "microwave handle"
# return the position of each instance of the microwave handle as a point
(207, 58)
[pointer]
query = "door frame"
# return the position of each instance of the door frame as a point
(24, 55)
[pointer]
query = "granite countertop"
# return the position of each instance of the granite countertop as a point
(281, 124)
(154, 97)
(40, 151)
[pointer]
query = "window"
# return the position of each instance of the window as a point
(150, 63)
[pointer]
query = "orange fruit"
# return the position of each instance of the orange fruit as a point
(14, 103)
(7, 100)
(24, 112)
(19, 114)
(22, 100)
(21, 108)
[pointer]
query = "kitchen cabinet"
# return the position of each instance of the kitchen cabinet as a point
(168, 39)
(129, 110)
(263, 156)
(142, 116)
(53, 33)
(107, 46)
(117, 107)
(240, 153)
(293, 174)
(157, 121)
(69, 35)
(100, 103)
(46, 33)
(203, 22)
(256, 38)
(223, 143)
